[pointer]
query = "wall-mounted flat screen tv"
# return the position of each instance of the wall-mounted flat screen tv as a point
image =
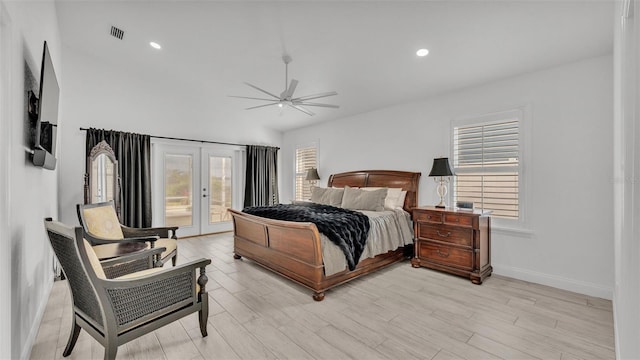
(46, 126)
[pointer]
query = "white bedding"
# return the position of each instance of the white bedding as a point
(389, 230)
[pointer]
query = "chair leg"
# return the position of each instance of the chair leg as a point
(110, 351)
(203, 315)
(174, 259)
(73, 337)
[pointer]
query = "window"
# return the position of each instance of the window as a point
(486, 161)
(306, 158)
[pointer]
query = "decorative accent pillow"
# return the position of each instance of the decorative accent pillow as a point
(401, 198)
(93, 260)
(358, 199)
(102, 221)
(392, 198)
(327, 196)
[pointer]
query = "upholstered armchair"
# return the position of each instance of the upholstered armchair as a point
(102, 227)
(118, 310)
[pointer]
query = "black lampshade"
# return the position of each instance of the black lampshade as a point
(312, 174)
(441, 167)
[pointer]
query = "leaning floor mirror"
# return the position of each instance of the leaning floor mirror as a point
(101, 180)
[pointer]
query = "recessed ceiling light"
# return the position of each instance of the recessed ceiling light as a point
(422, 52)
(155, 45)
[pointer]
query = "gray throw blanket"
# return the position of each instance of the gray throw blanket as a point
(346, 228)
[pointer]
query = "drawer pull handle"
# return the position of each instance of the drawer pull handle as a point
(429, 217)
(444, 255)
(443, 235)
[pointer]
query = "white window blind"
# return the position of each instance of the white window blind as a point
(306, 158)
(487, 166)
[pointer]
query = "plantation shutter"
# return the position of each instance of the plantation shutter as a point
(486, 163)
(306, 158)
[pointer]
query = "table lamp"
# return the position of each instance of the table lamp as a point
(312, 176)
(442, 173)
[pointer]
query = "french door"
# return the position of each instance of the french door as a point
(194, 186)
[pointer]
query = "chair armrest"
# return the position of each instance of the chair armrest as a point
(96, 240)
(131, 263)
(144, 254)
(165, 232)
(150, 238)
(170, 272)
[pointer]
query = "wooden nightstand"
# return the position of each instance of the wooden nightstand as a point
(455, 241)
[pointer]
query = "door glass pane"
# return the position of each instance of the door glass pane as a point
(219, 188)
(178, 190)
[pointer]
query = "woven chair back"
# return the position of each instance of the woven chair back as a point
(67, 251)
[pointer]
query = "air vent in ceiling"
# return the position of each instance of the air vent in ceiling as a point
(115, 32)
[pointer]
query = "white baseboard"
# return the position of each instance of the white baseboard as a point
(582, 287)
(35, 326)
(616, 331)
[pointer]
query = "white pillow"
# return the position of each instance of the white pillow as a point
(393, 196)
(401, 198)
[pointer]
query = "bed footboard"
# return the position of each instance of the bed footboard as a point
(289, 248)
(293, 250)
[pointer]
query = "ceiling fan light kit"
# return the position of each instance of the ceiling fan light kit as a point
(286, 97)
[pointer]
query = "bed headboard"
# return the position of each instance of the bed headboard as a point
(408, 181)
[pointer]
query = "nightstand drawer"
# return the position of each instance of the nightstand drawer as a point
(444, 233)
(458, 220)
(446, 255)
(427, 216)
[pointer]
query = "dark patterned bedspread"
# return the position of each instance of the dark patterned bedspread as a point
(346, 228)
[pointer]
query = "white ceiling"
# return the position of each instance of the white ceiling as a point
(364, 50)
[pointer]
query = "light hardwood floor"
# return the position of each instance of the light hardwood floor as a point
(397, 313)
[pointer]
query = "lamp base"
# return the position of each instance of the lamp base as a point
(442, 191)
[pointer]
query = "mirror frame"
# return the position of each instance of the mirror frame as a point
(102, 148)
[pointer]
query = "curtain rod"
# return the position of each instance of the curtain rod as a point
(200, 141)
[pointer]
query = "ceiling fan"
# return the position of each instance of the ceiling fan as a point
(286, 97)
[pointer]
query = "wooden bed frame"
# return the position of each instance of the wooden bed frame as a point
(292, 249)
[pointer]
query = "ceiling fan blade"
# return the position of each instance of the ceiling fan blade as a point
(289, 91)
(259, 106)
(316, 96)
(252, 98)
(300, 108)
(264, 91)
(315, 104)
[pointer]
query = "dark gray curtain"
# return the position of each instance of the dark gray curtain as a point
(261, 182)
(133, 152)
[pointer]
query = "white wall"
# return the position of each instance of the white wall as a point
(101, 95)
(5, 160)
(626, 187)
(569, 211)
(30, 192)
